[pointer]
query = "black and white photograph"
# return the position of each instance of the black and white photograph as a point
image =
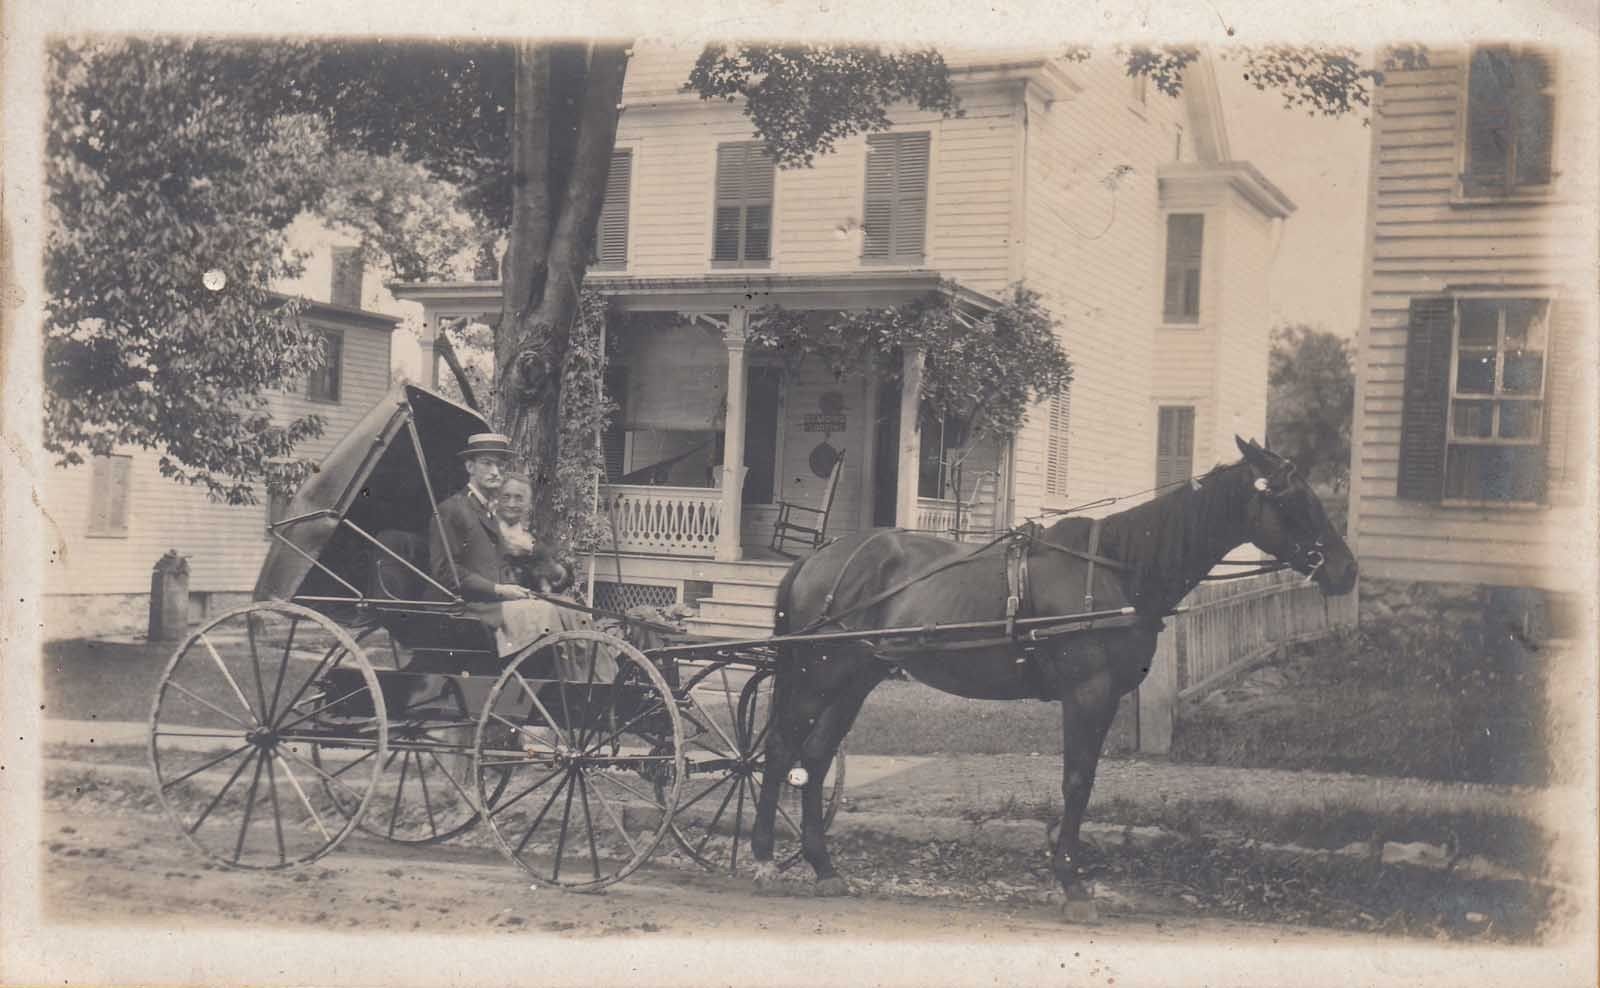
(800, 493)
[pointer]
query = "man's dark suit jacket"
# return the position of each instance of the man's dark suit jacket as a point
(473, 535)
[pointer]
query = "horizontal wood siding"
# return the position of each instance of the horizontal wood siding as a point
(1244, 335)
(1422, 240)
(1095, 256)
(225, 544)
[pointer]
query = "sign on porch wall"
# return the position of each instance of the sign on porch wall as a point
(822, 423)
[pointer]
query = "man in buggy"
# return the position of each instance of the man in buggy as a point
(487, 551)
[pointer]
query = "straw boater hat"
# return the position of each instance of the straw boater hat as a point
(487, 444)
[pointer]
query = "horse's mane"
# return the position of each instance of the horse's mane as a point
(1170, 541)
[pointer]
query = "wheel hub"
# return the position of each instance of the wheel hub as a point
(264, 738)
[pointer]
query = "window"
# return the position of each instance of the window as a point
(1510, 110)
(1055, 454)
(742, 227)
(1185, 238)
(1174, 444)
(895, 215)
(611, 232)
(346, 286)
(1139, 88)
(323, 383)
(940, 437)
(109, 478)
(1473, 418)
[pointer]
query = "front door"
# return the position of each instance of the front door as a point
(762, 395)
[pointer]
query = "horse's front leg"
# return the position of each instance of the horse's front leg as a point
(1087, 708)
(817, 753)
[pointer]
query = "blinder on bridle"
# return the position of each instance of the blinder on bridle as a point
(1277, 489)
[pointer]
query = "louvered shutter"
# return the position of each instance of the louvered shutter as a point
(611, 234)
(1055, 472)
(108, 509)
(1426, 399)
(1534, 118)
(1563, 456)
(742, 227)
(1489, 136)
(613, 438)
(1174, 444)
(895, 213)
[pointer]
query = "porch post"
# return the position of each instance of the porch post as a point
(728, 547)
(905, 511)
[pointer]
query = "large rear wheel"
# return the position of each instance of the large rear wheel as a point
(584, 724)
(241, 705)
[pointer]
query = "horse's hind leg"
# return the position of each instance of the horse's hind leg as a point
(1087, 708)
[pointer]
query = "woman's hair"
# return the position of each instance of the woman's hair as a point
(517, 478)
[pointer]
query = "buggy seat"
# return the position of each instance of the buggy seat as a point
(439, 642)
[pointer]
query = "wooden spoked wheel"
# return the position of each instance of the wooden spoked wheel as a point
(584, 724)
(727, 715)
(425, 794)
(240, 706)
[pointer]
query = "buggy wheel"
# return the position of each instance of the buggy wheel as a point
(584, 724)
(424, 795)
(239, 708)
(727, 713)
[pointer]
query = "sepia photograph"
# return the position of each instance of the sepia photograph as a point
(775, 493)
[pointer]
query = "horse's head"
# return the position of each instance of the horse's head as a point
(1287, 521)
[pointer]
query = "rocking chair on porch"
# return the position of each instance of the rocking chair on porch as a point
(812, 533)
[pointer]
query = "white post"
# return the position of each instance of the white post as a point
(905, 514)
(728, 547)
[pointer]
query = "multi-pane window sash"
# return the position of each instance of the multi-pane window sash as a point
(323, 384)
(1495, 432)
(742, 226)
(1510, 121)
(1185, 243)
(895, 214)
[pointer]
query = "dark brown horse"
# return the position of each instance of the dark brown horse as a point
(1147, 557)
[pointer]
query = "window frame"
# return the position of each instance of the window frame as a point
(1467, 193)
(1452, 395)
(891, 259)
(1183, 320)
(717, 204)
(102, 524)
(336, 336)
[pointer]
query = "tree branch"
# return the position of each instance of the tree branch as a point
(447, 350)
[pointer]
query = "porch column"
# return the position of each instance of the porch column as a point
(905, 510)
(728, 547)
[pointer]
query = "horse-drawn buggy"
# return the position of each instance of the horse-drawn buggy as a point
(357, 692)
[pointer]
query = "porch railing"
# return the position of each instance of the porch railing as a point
(936, 516)
(678, 521)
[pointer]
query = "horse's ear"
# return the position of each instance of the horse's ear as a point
(1254, 454)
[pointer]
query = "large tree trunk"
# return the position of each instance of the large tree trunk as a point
(552, 226)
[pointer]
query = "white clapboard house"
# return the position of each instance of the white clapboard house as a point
(1122, 206)
(1474, 415)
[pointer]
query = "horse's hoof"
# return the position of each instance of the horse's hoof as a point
(766, 878)
(833, 887)
(1080, 911)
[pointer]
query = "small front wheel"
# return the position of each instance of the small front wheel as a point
(580, 726)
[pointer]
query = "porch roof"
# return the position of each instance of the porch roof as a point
(717, 291)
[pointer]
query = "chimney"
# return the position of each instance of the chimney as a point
(346, 288)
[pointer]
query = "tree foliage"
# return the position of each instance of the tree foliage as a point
(985, 371)
(1310, 402)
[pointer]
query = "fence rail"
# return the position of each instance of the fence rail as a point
(1229, 629)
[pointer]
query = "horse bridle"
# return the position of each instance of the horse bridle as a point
(1276, 489)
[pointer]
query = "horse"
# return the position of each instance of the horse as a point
(1145, 558)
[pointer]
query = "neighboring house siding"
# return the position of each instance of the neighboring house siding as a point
(1424, 241)
(1099, 274)
(225, 544)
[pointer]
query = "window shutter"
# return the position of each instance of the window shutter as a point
(1174, 444)
(109, 480)
(1489, 136)
(1055, 471)
(1534, 118)
(613, 439)
(895, 216)
(611, 235)
(1563, 458)
(911, 198)
(1426, 399)
(879, 208)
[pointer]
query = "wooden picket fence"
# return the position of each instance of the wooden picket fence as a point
(1229, 628)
